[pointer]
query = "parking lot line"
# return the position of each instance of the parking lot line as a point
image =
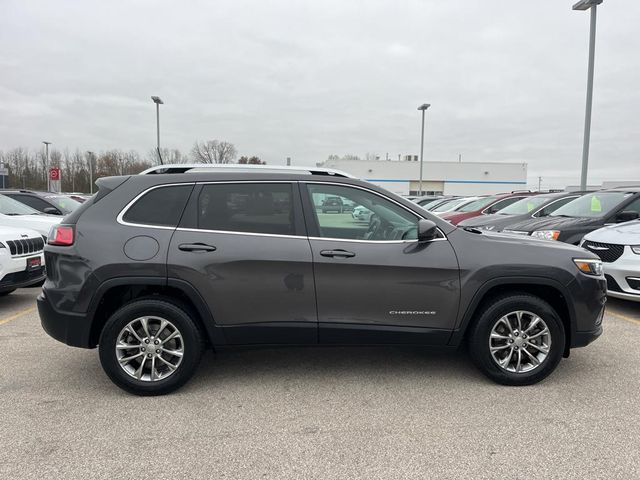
(623, 317)
(17, 315)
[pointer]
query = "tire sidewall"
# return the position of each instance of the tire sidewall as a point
(191, 338)
(479, 342)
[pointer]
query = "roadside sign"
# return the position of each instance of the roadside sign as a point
(54, 174)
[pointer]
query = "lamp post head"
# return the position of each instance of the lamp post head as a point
(46, 143)
(586, 4)
(157, 100)
(424, 106)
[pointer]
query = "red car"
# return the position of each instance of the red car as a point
(484, 206)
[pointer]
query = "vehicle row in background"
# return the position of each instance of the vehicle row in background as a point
(44, 202)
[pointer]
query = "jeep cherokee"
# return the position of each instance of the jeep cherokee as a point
(157, 266)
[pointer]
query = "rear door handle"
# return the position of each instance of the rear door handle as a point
(196, 247)
(337, 253)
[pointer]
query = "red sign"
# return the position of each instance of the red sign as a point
(54, 174)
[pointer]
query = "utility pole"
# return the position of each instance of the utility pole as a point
(158, 102)
(422, 107)
(90, 171)
(539, 182)
(46, 146)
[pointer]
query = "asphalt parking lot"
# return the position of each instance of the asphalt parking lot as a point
(318, 413)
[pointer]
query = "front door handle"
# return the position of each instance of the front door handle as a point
(337, 253)
(196, 247)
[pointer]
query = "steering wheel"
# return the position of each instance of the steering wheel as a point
(374, 226)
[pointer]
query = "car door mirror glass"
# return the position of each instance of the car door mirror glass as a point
(427, 230)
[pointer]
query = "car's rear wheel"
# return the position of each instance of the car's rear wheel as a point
(517, 339)
(150, 347)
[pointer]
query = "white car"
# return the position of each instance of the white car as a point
(18, 215)
(21, 259)
(619, 248)
(362, 214)
(452, 205)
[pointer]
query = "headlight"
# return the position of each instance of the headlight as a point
(589, 266)
(546, 234)
(635, 249)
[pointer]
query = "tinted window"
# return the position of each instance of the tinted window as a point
(525, 205)
(632, 207)
(476, 205)
(552, 207)
(247, 207)
(498, 206)
(374, 218)
(64, 204)
(33, 202)
(9, 206)
(161, 206)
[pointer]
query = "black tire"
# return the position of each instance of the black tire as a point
(7, 292)
(164, 308)
(479, 335)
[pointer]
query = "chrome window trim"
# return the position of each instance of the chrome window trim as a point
(120, 217)
(123, 212)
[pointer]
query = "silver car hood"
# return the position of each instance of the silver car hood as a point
(627, 233)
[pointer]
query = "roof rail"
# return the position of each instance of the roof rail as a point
(234, 167)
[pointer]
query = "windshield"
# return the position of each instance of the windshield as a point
(477, 205)
(595, 204)
(64, 204)
(9, 206)
(430, 201)
(525, 205)
(449, 205)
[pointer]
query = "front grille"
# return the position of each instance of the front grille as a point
(607, 252)
(612, 285)
(25, 246)
(20, 277)
(634, 283)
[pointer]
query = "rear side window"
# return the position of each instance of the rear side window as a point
(161, 206)
(248, 207)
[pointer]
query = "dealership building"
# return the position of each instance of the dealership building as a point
(448, 178)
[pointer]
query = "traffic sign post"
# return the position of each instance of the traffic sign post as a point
(54, 179)
(4, 172)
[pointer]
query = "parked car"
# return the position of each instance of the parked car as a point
(483, 206)
(451, 205)
(18, 215)
(79, 197)
(585, 214)
(150, 274)
(21, 259)
(332, 204)
(362, 214)
(618, 246)
(530, 207)
(44, 202)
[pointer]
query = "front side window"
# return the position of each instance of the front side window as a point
(552, 207)
(33, 202)
(161, 206)
(63, 203)
(247, 207)
(476, 205)
(9, 206)
(374, 218)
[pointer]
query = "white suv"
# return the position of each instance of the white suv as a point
(21, 259)
(619, 248)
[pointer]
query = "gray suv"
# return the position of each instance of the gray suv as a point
(157, 267)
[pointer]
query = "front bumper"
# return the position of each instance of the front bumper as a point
(14, 273)
(72, 329)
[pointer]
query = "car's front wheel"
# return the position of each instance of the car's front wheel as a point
(517, 339)
(150, 347)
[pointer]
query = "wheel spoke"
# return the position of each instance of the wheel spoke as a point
(174, 334)
(153, 368)
(171, 366)
(533, 323)
(507, 359)
(542, 348)
(125, 360)
(540, 333)
(145, 326)
(176, 353)
(126, 346)
(533, 358)
(519, 361)
(140, 368)
(163, 324)
(133, 332)
(507, 322)
(519, 317)
(501, 347)
(497, 336)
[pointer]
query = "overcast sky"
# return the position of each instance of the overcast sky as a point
(307, 79)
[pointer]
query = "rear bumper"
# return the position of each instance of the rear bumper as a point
(72, 329)
(582, 339)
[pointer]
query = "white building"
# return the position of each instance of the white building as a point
(449, 178)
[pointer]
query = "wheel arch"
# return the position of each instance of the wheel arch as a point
(114, 293)
(548, 289)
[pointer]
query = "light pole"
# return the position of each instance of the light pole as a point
(46, 147)
(158, 102)
(593, 6)
(90, 170)
(422, 107)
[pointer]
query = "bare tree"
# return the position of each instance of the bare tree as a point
(244, 160)
(172, 155)
(214, 151)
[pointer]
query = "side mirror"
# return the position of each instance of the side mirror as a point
(626, 216)
(427, 230)
(52, 211)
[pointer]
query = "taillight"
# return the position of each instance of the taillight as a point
(61, 235)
